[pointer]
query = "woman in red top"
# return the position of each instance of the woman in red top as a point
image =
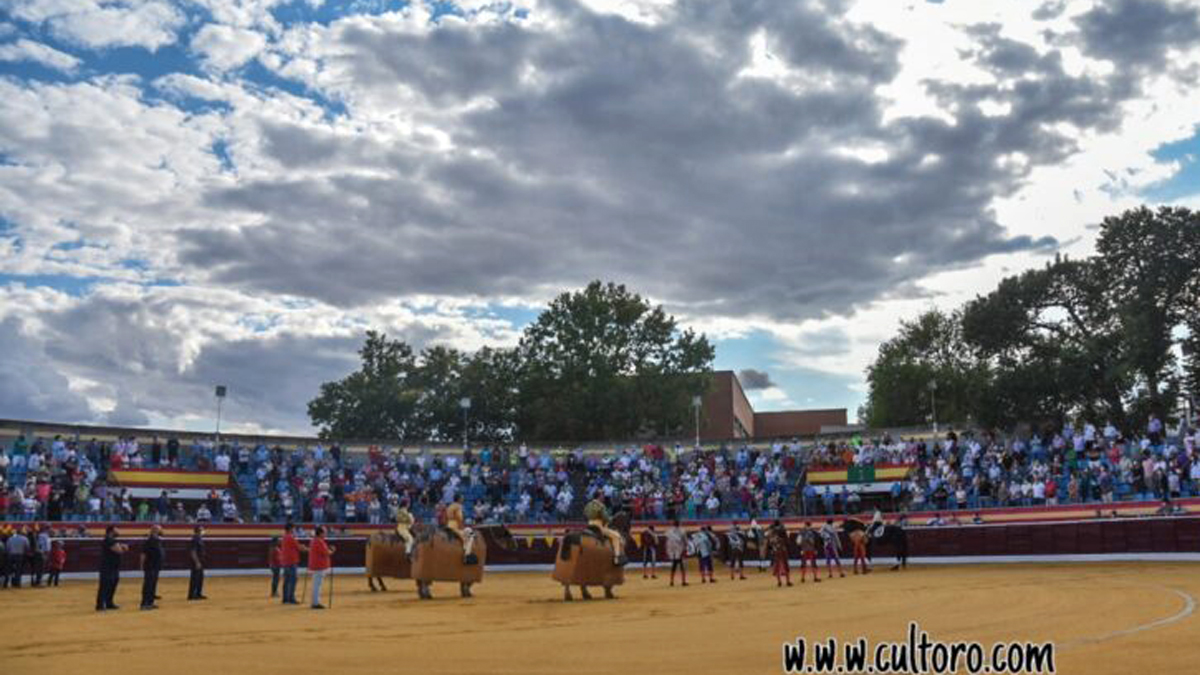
(320, 560)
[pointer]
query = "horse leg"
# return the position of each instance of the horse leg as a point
(381, 585)
(567, 593)
(371, 583)
(584, 592)
(608, 594)
(465, 589)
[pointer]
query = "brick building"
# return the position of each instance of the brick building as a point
(727, 414)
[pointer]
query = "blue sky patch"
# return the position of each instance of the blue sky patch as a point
(1186, 181)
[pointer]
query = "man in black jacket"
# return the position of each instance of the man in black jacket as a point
(196, 561)
(110, 569)
(152, 563)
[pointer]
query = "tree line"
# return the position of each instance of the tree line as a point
(1114, 336)
(597, 363)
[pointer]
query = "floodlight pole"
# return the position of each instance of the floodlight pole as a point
(696, 402)
(220, 392)
(933, 400)
(465, 404)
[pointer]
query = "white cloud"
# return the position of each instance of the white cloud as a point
(490, 158)
(103, 23)
(28, 50)
(224, 47)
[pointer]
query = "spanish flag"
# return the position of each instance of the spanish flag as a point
(170, 478)
(858, 474)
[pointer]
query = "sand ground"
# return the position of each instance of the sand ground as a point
(1104, 618)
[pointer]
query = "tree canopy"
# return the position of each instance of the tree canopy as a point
(598, 363)
(1113, 336)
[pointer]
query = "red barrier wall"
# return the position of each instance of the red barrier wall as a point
(1084, 537)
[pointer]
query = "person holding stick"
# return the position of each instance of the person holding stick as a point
(320, 562)
(289, 559)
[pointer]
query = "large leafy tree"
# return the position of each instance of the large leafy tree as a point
(597, 364)
(1151, 261)
(1053, 343)
(378, 401)
(926, 365)
(1114, 336)
(605, 363)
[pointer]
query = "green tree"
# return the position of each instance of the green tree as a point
(1053, 344)
(927, 350)
(604, 363)
(376, 402)
(490, 378)
(1150, 261)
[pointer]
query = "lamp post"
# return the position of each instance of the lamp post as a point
(696, 403)
(220, 397)
(933, 402)
(465, 404)
(1188, 350)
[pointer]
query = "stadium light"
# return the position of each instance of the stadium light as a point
(220, 397)
(465, 404)
(933, 401)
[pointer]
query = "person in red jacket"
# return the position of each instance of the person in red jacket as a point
(320, 560)
(58, 560)
(289, 559)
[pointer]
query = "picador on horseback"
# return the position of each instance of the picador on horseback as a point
(598, 518)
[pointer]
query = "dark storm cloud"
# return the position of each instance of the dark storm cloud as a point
(1138, 33)
(33, 387)
(636, 152)
(132, 350)
(753, 380)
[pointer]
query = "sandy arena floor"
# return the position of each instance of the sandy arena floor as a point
(1105, 618)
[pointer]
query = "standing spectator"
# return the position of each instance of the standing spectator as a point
(163, 510)
(151, 563)
(110, 569)
(676, 550)
(649, 545)
(4, 535)
(196, 558)
(274, 562)
(289, 559)
(320, 560)
(41, 554)
(58, 560)
(17, 549)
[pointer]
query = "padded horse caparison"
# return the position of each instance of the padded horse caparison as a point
(575, 538)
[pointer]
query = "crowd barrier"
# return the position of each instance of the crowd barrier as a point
(245, 547)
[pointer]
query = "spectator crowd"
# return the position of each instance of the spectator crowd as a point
(57, 479)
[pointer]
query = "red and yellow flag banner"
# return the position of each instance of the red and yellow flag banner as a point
(832, 475)
(170, 478)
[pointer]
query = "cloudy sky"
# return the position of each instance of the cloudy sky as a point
(232, 191)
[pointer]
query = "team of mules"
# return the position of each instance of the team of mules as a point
(584, 557)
